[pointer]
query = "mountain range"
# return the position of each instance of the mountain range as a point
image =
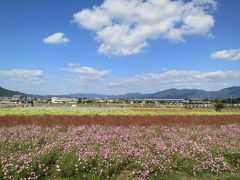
(231, 92)
(6, 92)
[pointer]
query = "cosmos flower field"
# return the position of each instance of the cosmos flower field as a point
(118, 147)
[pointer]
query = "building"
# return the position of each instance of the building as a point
(57, 100)
(5, 100)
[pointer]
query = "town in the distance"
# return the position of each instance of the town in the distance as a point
(182, 99)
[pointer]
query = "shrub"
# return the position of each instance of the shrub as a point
(218, 106)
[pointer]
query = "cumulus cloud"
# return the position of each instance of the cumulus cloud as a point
(176, 78)
(56, 38)
(91, 80)
(231, 54)
(82, 79)
(207, 4)
(123, 27)
(86, 73)
(23, 75)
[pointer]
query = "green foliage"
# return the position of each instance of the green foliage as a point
(183, 164)
(231, 157)
(219, 106)
(49, 158)
(67, 164)
(1, 172)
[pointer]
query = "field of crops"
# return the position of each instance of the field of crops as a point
(98, 143)
(110, 111)
(118, 120)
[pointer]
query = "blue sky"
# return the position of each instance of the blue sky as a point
(118, 46)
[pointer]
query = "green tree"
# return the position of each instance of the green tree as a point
(219, 106)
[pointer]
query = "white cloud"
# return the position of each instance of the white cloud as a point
(56, 38)
(86, 73)
(94, 20)
(82, 79)
(23, 75)
(231, 54)
(90, 80)
(123, 27)
(207, 4)
(153, 82)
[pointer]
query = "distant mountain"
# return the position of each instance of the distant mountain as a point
(131, 96)
(231, 92)
(128, 96)
(6, 92)
(177, 94)
(81, 95)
